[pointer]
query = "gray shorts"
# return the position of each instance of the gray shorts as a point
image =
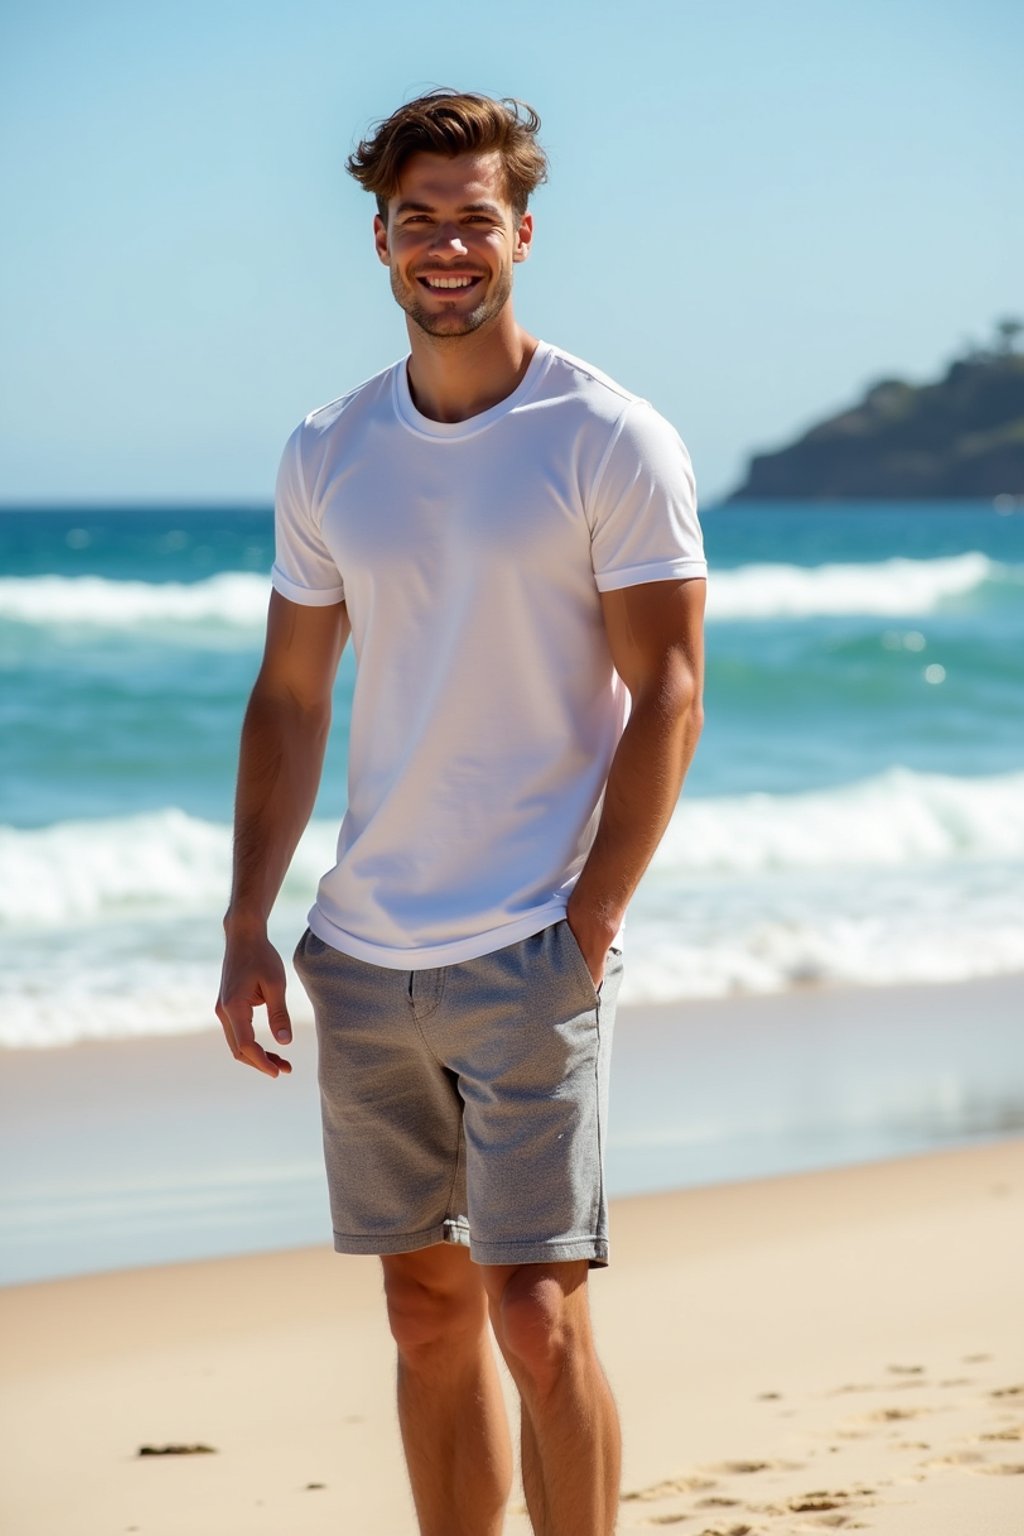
(466, 1104)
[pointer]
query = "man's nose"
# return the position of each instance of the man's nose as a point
(448, 241)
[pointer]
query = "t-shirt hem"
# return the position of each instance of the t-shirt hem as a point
(433, 956)
(309, 597)
(637, 575)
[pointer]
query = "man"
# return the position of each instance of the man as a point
(511, 540)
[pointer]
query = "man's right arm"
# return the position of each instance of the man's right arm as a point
(284, 737)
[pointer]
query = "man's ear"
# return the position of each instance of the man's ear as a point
(380, 239)
(524, 238)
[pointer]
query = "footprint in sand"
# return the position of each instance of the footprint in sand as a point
(686, 1483)
(732, 1468)
(808, 1501)
(696, 1482)
(819, 1500)
(833, 1520)
(742, 1529)
(731, 1530)
(715, 1530)
(974, 1461)
(1012, 1432)
(894, 1415)
(966, 1459)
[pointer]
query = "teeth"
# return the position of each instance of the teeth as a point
(449, 282)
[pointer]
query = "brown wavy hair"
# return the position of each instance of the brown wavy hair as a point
(446, 122)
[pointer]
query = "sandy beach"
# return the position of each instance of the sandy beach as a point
(827, 1350)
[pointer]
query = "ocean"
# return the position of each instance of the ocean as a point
(854, 816)
(855, 812)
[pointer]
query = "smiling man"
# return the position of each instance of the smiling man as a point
(511, 540)
(450, 276)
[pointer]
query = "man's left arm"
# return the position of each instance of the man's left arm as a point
(656, 636)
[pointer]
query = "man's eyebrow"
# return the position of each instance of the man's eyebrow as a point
(407, 206)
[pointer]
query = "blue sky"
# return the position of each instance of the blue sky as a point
(754, 211)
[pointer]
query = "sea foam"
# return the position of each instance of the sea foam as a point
(237, 599)
(896, 818)
(234, 598)
(112, 927)
(166, 862)
(112, 868)
(896, 587)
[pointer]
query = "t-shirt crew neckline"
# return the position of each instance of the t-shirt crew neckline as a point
(423, 426)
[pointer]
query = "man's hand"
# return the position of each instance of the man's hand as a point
(253, 976)
(655, 637)
(594, 937)
(283, 738)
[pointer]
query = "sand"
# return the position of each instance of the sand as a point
(821, 1351)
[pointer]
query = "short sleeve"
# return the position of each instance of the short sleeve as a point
(643, 510)
(304, 569)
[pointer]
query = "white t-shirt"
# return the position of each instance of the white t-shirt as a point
(471, 556)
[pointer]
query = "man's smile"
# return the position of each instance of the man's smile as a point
(450, 281)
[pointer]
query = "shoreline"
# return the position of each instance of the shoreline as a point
(843, 1340)
(157, 1149)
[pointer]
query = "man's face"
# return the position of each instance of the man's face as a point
(450, 242)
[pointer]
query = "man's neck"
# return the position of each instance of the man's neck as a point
(452, 378)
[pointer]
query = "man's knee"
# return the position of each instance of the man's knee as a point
(435, 1303)
(541, 1318)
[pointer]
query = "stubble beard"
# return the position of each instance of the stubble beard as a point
(452, 322)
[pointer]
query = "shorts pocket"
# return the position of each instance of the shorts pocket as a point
(308, 948)
(580, 965)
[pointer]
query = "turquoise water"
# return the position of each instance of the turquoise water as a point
(855, 811)
(855, 814)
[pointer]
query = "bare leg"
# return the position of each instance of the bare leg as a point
(450, 1406)
(571, 1444)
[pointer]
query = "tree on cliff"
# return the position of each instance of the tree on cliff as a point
(1008, 330)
